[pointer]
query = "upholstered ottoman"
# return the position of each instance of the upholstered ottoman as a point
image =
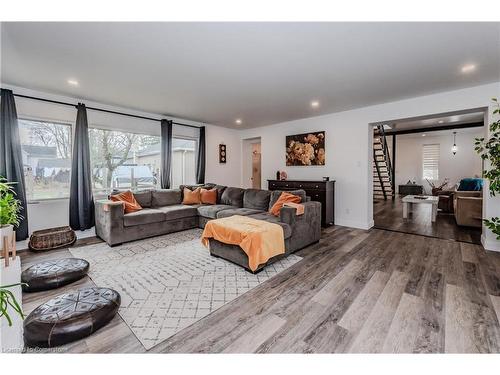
(53, 274)
(70, 316)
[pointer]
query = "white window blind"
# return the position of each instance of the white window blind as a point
(430, 162)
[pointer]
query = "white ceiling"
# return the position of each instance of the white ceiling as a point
(263, 73)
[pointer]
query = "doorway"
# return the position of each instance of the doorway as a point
(252, 163)
(427, 158)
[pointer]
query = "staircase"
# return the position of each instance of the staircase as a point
(383, 181)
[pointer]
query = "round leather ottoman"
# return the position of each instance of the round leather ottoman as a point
(70, 316)
(53, 274)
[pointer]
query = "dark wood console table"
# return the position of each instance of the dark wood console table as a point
(320, 191)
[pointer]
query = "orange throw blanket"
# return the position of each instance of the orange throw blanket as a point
(259, 239)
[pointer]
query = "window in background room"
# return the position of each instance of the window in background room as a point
(183, 162)
(430, 162)
(46, 153)
(122, 160)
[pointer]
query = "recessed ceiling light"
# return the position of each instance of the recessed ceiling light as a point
(468, 68)
(423, 135)
(440, 121)
(315, 104)
(238, 121)
(72, 82)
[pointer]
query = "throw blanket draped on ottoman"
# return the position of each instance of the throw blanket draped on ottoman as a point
(259, 239)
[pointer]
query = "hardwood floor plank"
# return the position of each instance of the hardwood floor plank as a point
(404, 327)
(373, 333)
(358, 239)
(255, 337)
(362, 306)
(468, 253)
(328, 293)
(496, 305)
(464, 333)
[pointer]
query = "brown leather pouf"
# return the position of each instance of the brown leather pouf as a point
(53, 274)
(70, 317)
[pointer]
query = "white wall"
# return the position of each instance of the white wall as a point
(466, 163)
(348, 146)
(54, 213)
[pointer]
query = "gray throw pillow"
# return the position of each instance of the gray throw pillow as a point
(232, 196)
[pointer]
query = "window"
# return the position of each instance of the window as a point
(46, 153)
(430, 162)
(122, 160)
(183, 162)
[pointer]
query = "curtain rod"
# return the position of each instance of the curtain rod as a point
(102, 110)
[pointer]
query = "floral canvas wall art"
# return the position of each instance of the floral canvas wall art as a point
(305, 149)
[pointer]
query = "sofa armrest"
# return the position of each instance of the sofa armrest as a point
(289, 214)
(469, 211)
(109, 220)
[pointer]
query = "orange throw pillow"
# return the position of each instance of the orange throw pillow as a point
(284, 198)
(191, 197)
(209, 196)
(128, 200)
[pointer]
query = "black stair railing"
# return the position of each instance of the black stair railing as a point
(387, 159)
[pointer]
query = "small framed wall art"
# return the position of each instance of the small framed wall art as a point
(222, 153)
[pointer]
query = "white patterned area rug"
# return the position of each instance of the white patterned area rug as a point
(169, 282)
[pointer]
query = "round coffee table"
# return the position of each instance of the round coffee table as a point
(70, 316)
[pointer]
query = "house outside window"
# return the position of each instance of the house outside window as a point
(46, 155)
(123, 161)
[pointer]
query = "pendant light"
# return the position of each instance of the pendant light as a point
(454, 147)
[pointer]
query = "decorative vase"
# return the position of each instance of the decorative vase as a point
(278, 175)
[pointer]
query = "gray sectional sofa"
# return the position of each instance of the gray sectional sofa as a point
(163, 212)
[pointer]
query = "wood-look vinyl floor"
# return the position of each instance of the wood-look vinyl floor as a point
(354, 292)
(389, 215)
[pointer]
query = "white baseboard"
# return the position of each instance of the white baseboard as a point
(489, 244)
(354, 223)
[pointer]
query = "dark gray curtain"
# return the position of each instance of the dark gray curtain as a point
(81, 201)
(166, 153)
(200, 160)
(11, 159)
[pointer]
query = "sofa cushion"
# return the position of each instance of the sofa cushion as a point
(275, 195)
(145, 216)
(165, 197)
(143, 198)
(237, 211)
(178, 211)
(256, 199)
(232, 196)
(220, 190)
(287, 229)
(211, 211)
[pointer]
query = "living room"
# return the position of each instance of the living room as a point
(432, 158)
(166, 205)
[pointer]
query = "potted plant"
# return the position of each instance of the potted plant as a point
(11, 314)
(10, 209)
(490, 150)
